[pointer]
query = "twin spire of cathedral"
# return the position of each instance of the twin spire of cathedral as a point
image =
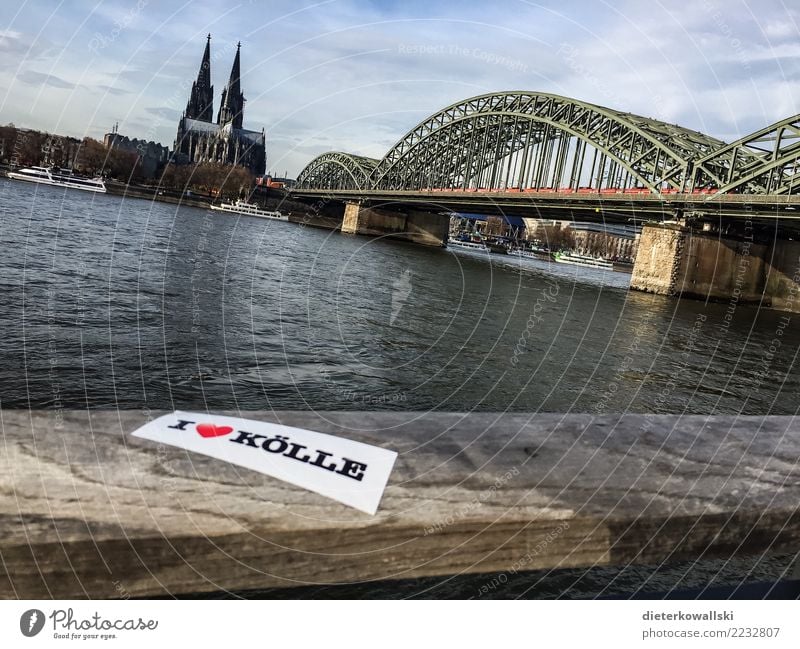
(201, 101)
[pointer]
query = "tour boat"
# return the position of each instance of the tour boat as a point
(467, 245)
(58, 178)
(582, 260)
(539, 255)
(249, 209)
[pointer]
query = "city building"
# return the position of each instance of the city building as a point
(512, 227)
(152, 155)
(60, 151)
(608, 240)
(225, 141)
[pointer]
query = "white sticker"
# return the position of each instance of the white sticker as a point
(350, 472)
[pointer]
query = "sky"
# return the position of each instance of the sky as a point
(357, 75)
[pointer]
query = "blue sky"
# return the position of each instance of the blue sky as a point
(356, 75)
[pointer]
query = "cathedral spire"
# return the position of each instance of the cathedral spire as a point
(232, 107)
(201, 101)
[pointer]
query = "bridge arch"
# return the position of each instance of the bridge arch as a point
(337, 170)
(538, 140)
(764, 162)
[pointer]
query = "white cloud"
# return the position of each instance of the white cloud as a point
(41, 79)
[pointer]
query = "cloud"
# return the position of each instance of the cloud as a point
(356, 75)
(163, 112)
(11, 42)
(17, 46)
(112, 90)
(40, 79)
(781, 29)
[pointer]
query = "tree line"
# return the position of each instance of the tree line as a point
(209, 178)
(26, 148)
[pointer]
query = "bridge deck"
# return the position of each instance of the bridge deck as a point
(88, 510)
(607, 207)
(618, 196)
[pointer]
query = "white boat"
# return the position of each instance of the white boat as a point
(528, 254)
(467, 245)
(249, 209)
(58, 178)
(583, 260)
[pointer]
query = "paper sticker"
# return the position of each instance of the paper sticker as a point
(350, 472)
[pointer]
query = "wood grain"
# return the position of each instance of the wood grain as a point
(86, 510)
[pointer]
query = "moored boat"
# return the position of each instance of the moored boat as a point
(497, 247)
(250, 209)
(57, 177)
(539, 255)
(582, 260)
(467, 245)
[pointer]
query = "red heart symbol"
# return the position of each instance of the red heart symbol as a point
(212, 430)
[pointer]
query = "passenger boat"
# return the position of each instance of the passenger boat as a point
(58, 178)
(497, 247)
(467, 245)
(540, 255)
(582, 260)
(249, 209)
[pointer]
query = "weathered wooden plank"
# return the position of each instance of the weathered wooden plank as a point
(87, 510)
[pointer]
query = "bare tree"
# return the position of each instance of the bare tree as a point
(556, 238)
(494, 226)
(208, 178)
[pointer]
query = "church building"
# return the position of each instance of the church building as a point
(200, 139)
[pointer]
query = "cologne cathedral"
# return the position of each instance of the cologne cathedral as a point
(200, 139)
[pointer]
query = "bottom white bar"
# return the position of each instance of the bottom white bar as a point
(400, 624)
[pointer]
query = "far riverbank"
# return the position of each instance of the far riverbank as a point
(275, 200)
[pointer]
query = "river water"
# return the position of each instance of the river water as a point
(108, 303)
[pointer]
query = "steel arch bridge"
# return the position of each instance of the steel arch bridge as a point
(538, 142)
(764, 162)
(338, 170)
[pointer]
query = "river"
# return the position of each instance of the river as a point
(123, 303)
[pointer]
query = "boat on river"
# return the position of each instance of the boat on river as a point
(582, 260)
(497, 247)
(57, 177)
(250, 209)
(524, 253)
(477, 246)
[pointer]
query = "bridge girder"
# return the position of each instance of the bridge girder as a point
(534, 140)
(459, 142)
(764, 162)
(337, 170)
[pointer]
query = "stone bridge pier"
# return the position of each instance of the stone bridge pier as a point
(674, 260)
(425, 228)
